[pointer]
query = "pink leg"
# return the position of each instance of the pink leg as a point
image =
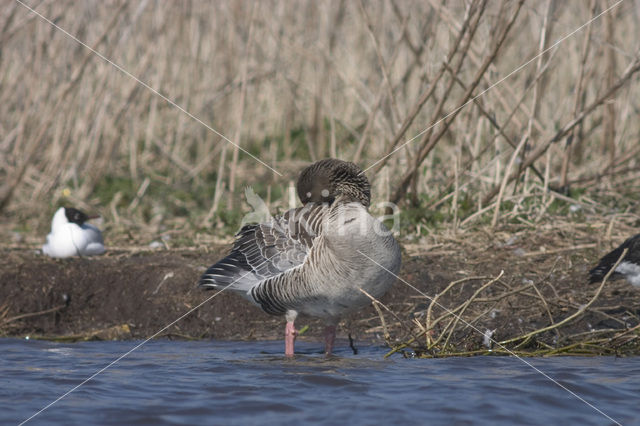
(329, 338)
(290, 334)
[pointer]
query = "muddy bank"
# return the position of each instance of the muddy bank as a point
(516, 289)
(133, 295)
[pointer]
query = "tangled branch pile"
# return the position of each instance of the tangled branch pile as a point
(454, 332)
(524, 292)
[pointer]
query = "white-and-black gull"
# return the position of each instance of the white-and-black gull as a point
(71, 236)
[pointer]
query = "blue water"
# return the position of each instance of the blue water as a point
(226, 383)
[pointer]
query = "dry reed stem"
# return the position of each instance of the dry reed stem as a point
(428, 133)
(9, 320)
(417, 107)
(475, 56)
(240, 109)
(578, 101)
(529, 135)
(464, 307)
(12, 182)
(542, 148)
(491, 119)
(546, 307)
(610, 109)
(298, 76)
(434, 300)
(503, 185)
(395, 117)
(430, 325)
(428, 144)
(377, 104)
(376, 304)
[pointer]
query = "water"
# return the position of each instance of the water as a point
(242, 383)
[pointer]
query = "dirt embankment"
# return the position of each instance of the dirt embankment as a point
(132, 295)
(505, 289)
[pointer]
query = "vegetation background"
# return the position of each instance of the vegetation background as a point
(505, 115)
(507, 132)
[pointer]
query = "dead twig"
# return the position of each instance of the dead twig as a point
(528, 336)
(32, 314)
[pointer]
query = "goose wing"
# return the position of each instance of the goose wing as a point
(267, 250)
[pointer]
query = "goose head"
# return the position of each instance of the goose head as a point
(327, 180)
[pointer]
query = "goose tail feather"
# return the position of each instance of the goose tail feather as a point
(232, 271)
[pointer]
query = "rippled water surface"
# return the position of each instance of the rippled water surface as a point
(168, 382)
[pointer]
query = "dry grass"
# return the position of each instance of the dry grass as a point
(292, 85)
(554, 145)
(525, 287)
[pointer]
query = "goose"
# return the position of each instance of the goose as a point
(71, 236)
(313, 259)
(629, 268)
